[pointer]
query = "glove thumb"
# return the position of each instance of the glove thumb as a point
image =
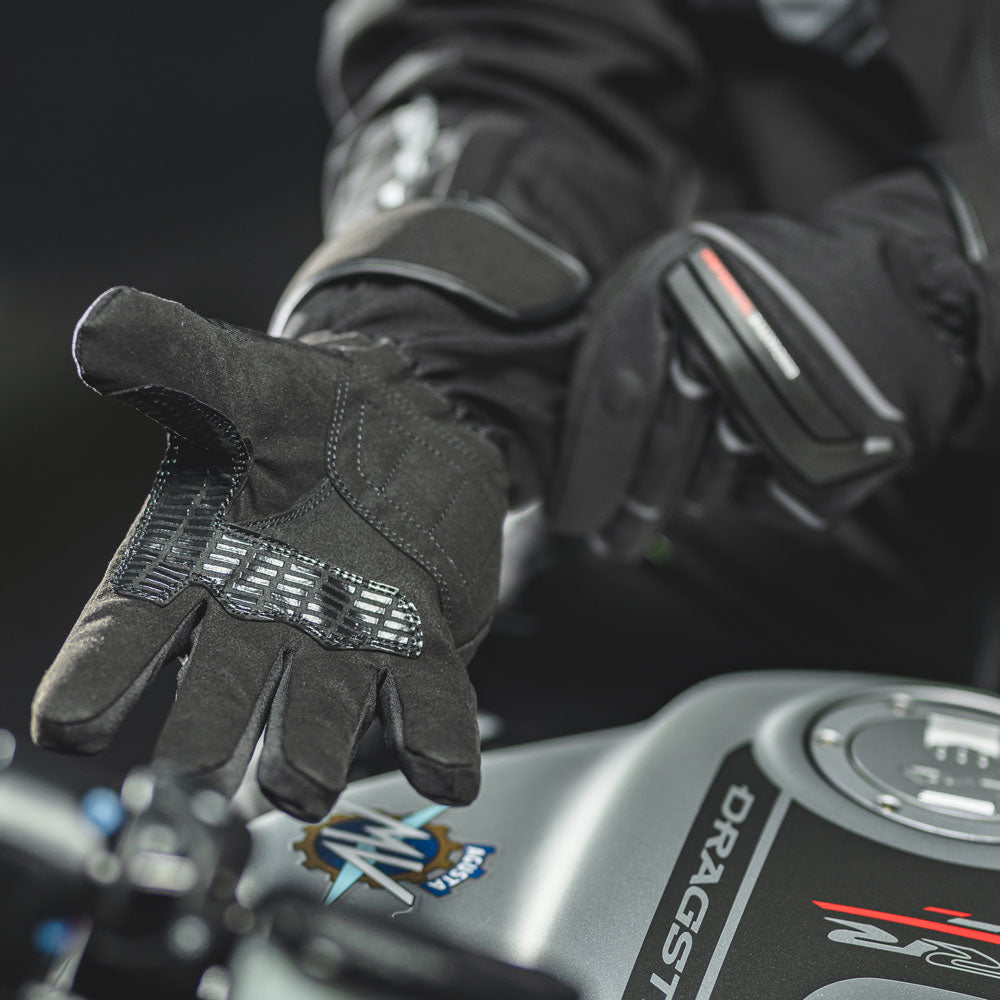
(129, 340)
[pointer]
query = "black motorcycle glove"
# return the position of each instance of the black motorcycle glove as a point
(509, 384)
(788, 367)
(321, 543)
(487, 311)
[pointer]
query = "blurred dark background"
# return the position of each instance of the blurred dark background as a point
(173, 147)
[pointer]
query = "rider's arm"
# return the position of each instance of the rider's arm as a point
(567, 113)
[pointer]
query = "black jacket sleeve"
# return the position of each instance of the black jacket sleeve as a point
(575, 116)
(568, 113)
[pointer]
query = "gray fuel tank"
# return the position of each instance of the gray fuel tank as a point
(766, 834)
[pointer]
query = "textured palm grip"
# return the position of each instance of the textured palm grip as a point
(182, 540)
(296, 478)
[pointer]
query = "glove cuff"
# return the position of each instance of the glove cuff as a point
(472, 250)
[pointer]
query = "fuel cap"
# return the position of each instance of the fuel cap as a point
(926, 757)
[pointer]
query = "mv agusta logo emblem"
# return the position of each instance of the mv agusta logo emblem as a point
(390, 852)
(948, 939)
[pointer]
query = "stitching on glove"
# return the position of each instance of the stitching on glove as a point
(464, 479)
(183, 539)
(381, 491)
(383, 529)
(424, 531)
(320, 493)
(403, 429)
(390, 475)
(404, 403)
(446, 509)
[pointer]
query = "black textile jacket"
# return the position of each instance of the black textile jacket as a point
(597, 123)
(600, 122)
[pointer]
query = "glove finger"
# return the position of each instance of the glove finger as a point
(223, 697)
(674, 449)
(771, 500)
(128, 340)
(321, 710)
(730, 466)
(111, 655)
(428, 711)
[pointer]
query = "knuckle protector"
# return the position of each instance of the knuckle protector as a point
(791, 378)
(684, 318)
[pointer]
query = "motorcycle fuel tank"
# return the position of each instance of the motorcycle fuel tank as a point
(795, 836)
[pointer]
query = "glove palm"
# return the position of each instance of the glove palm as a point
(322, 542)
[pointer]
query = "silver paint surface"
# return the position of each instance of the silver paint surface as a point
(587, 829)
